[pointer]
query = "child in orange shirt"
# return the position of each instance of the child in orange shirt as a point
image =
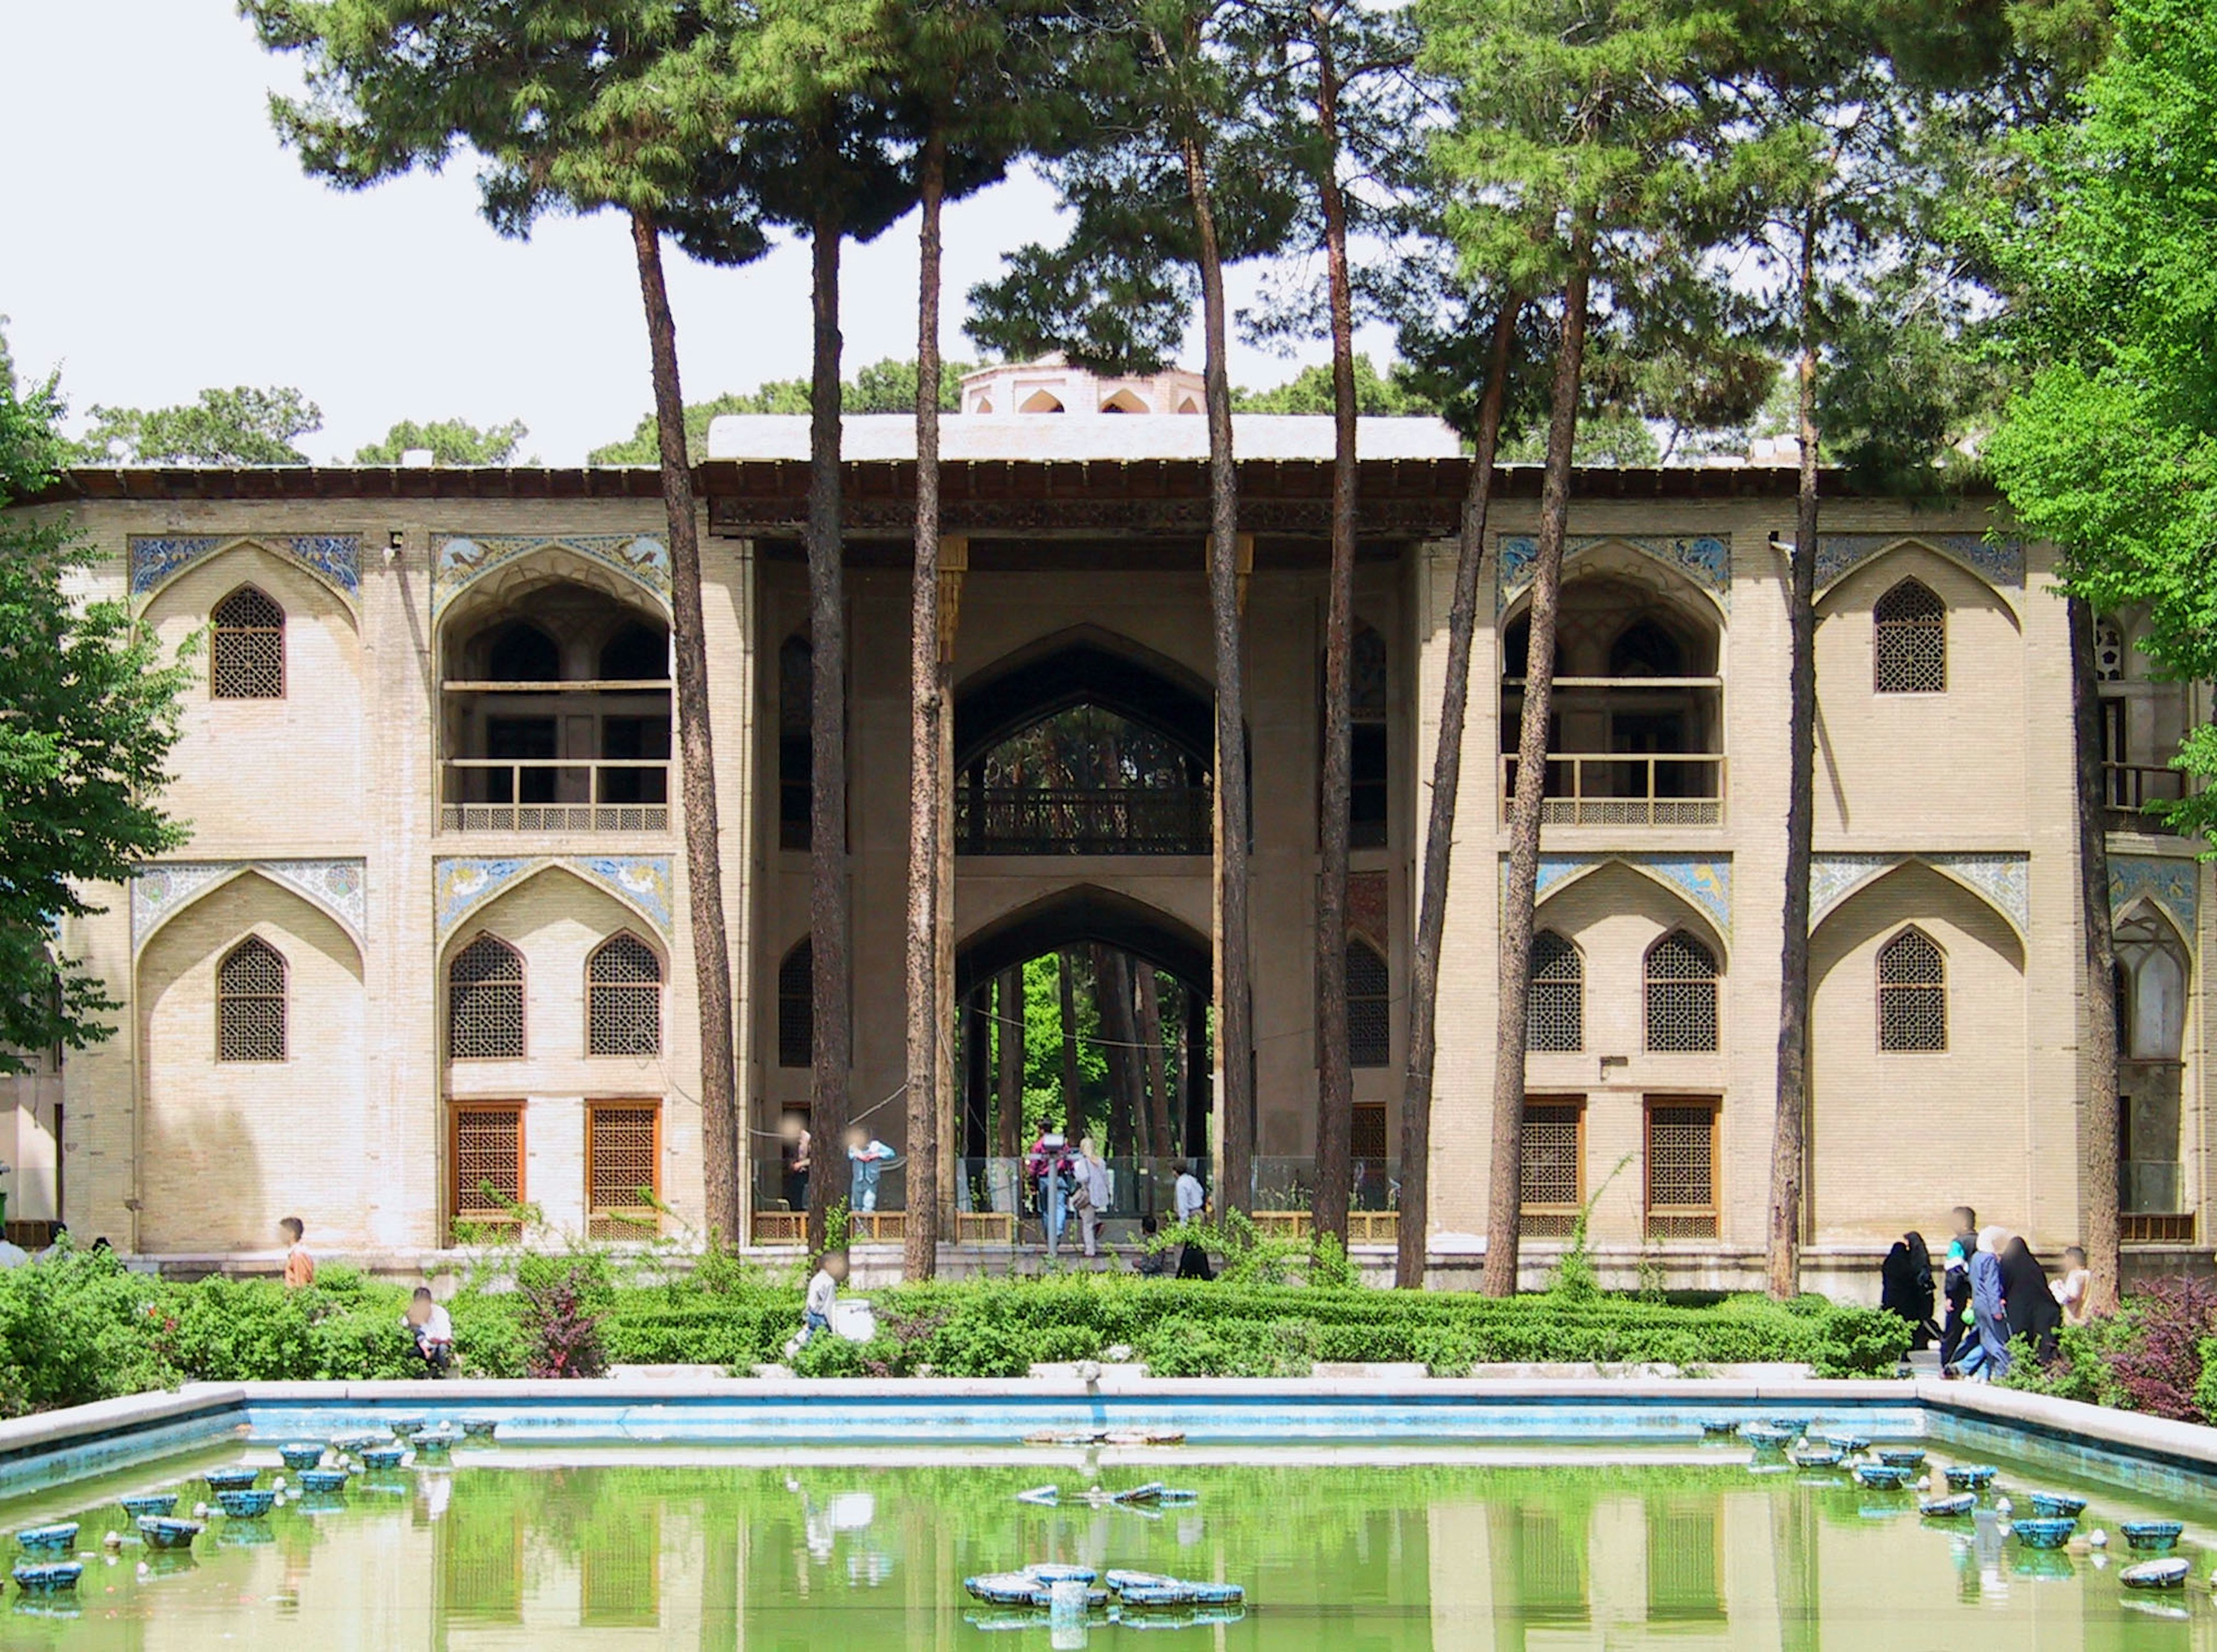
(299, 1266)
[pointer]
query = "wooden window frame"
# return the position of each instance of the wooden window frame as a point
(455, 1109)
(523, 989)
(594, 1213)
(217, 628)
(1386, 966)
(1555, 1221)
(1881, 986)
(1649, 981)
(781, 997)
(659, 985)
(283, 996)
(1935, 621)
(1691, 1216)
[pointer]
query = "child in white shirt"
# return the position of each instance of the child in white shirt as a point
(823, 1298)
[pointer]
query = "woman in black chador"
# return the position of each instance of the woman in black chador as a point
(1905, 1288)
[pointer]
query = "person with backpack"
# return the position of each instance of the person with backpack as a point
(1048, 1164)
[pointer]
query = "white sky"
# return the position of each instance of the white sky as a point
(159, 239)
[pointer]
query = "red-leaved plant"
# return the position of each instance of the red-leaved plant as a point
(2156, 1368)
(562, 1319)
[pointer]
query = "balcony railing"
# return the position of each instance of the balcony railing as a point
(555, 794)
(1609, 788)
(2128, 789)
(1156, 821)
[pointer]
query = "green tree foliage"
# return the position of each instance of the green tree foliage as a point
(87, 716)
(451, 441)
(1611, 438)
(2109, 446)
(1393, 393)
(885, 386)
(243, 426)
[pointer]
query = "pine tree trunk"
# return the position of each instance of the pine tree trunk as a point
(1073, 1104)
(704, 869)
(1789, 1151)
(1112, 998)
(827, 802)
(1335, 1079)
(1009, 1041)
(928, 783)
(2104, 1258)
(1505, 1184)
(1235, 1010)
(1439, 834)
(1150, 1035)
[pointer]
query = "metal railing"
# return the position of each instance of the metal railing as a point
(1657, 789)
(555, 794)
(1019, 820)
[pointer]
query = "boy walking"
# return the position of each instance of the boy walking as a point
(299, 1266)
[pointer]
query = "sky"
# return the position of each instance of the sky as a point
(159, 239)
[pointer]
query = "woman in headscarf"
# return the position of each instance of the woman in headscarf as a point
(1990, 1356)
(1905, 1287)
(2029, 1304)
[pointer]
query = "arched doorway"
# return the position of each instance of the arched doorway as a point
(1087, 1011)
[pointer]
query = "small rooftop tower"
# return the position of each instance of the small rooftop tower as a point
(1052, 385)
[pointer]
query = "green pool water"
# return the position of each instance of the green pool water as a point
(1546, 1549)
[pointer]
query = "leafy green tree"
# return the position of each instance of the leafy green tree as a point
(451, 441)
(1391, 394)
(88, 717)
(2108, 445)
(243, 426)
(1613, 436)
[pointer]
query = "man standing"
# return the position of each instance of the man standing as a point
(1190, 1198)
(1956, 1279)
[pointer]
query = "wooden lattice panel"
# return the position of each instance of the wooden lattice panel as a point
(796, 1007)
(1555, 1012)
(1681, 994)
(1682, 1170)
(246, 651)
(1909, 627)
(623, 1170)
(488, 1162)
(1370, 999)
(1552, 1179)
(484, 1002)
(249, 1003)
(623, 993)
(1912, 993)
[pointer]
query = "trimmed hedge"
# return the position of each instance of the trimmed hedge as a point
(78, 1327)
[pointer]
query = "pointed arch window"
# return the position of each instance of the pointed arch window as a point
(1555, 1012)
(484, 1002)
(796, 740)
(796, 1007)
(1912, 993)
(623, 999)
(1369, 1000)
(249, 1003)
(246, 652)
(1909, 627)
(1681, 994)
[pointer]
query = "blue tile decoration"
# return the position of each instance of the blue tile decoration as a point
(2171, 884)
(1705, 880)
(461, 885)
(1705, 559)
(2002, 878)
(340, 887)
(458, 560)
(641, 882)
(2000, 562)
(157, 559)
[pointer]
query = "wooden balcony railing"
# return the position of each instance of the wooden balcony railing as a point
(2128, 789)
(1609, 788)
(555, 794)
(992, 820)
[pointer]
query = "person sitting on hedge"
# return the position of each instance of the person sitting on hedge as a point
(1153, 1263)
(433, 1328)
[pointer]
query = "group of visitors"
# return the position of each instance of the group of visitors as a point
(1996, 1291)
(1070, 1182)
(867, 1160)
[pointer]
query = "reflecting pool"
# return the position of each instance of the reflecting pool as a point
(1689, 1548)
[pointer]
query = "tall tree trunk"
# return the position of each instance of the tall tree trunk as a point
(1335, 1079)
(2104, 1258)
(827, 802)
(928, 784)
(1073, 1104)
(1008, 1042)
(1506, 1184)
(704, 866)
(1789, 1153)
(1235, 1015)
(1150, 1035)
(1112, 993)
(1439, 832)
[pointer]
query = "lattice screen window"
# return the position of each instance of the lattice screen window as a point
(1910, 636)
(1369, 1000)
(2109, 651)
(1369, 1141)
(246, 654)
(796, 688)
(623, 999)
(623, 1169)
(1555, 1014)
(1682, 1170)
(249, 1003)
(1912, 993)
(484, 1002)
(1553, 1176)
(487, 1157)
(796, 1007)
(1681, 994)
